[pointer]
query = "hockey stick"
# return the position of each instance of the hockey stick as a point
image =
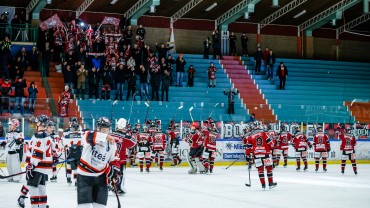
(212, 110)
(232, 163)
(179, 108)
(147, 110)
(191, 116)
(111, 114)
(249, 175)
(132, 104)
(116, 193)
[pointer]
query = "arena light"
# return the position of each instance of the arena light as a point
(275, 4)
(211, 7)
(48, 1)
(300, 14)
(113, 2)
(152, 9)
(246, 15)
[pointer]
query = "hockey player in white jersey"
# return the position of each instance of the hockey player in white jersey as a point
(40, 165)
(13, 140)
(98, 161)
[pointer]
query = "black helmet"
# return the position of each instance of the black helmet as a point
(50, 123)
(73, 120)
(103, 122)
(42, 120)
(75, 126)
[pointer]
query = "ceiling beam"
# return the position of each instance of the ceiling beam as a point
(281, 12)
(235, 13)
(334, 12)
(140, 8)
(185, 9)
(358, 21)
(29, 8)
(83, 7)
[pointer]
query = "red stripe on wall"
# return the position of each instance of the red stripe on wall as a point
(159, 22)
(192, 24)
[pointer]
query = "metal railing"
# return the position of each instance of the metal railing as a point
(19, 32)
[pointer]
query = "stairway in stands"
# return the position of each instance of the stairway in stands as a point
(248, 90)
(41, 105)
(359, 110)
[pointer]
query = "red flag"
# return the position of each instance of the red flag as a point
(53, 21)
(110, 21)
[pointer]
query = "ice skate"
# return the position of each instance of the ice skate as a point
(53, 179)
(305, 168)
(264, 186)
(147, 170)
(69, 181)
(20, 202)
(298, 168)
(355, 172)
(272, 185)
(325, 170)
(160, 168)
(342, 172)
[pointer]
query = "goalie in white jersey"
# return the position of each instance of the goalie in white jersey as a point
(98, 161)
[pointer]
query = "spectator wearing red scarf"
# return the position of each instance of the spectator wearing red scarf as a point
(282, 73)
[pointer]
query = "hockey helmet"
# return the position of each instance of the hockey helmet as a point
(121, 124)
(72, 120)
(348, 130)
(51, 123)
(42, 120)
(195, 125)
(14, 123)
(75, 126)
(297, 128)
(137, 126)
(103, 122)
(319, 128)
(282, 127)
(268, 126)
(145, 128)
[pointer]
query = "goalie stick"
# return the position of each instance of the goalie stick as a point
(249, 176)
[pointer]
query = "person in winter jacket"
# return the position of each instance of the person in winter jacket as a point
(32, 92)
(166, 83)
(212, 75)
(180, 68)
(191, 73)
(81, 78)
(106, 84)
(19, 86)
(120, 75)
(94, 80)
(155, 81)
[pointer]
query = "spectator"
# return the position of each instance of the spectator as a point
(18, 69)
(232, 40)
(46, 57)
(96, 63)
(180, 66)
(106, 84)
(93, 80)
(166, 83)
(131, 82)
(6, 56)
(162, 51)
(70, 59)
(81, 79)
(141, 32)
(191, 73)
(3, 23)
(34, 59)
(15, 23)
(24, 58)
(59, 39)
(282, 73)
(244, 41)
(230, 96)
(136, 53)
(120, 81)
(2, 130)
(206, 47)
(81, 55)
(146, 54)
(63, 102)
(216, 40)
(170, 61)
(6, 89)
(265, 54)
(155, 81)
(270, 65)
(252, 118)
(68, 73)
(128, 35)
(212, 75)
(19, 86)
(143, 82)
(32, 92)
(258, 60)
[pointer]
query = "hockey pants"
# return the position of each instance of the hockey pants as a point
(13, 165)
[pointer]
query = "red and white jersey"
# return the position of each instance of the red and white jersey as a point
(284, 139)
(144, 142)
(247, 139)
(195, 140)
(159, 142)
(301, 142)
(96, 154)
(72, 138)
(41, 152)
(57, 145)
(123, 142)
(272, 134)
(209, 140)
(348, 142)
(152, 62)
(260, 144)
(321, 142)
(13, 140)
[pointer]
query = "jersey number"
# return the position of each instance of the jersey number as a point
(259, 141)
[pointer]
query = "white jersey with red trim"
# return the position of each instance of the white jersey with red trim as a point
(96, 154)
(73, 138)
(13, 140)
(41, 152)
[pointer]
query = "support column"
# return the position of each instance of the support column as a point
(366, 6)
(337, 45)
(259, 35)
(299, 47)
(308, 46)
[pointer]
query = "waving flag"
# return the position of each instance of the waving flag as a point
(110, 21)
(53, 21)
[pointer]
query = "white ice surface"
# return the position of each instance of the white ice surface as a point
(174, 188)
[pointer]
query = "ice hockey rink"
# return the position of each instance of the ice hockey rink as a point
(174, 188)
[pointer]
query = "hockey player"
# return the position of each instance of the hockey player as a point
(347, 146)
(144, 144)
(56, 148)
(173, 137)
(133, 150)
(247, 131)
(194, 138)
(284, 139)
(210, 133)
(260, 143)
(123, 140)
(98, 162)
(274, 149)
(301, 144)
(13, 141)
(321, 146)
(158, 145)
(73, 142)
(40, 165)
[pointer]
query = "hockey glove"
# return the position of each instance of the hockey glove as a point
(29, 171)
(329, 149)
(113, 174)
(3, 144)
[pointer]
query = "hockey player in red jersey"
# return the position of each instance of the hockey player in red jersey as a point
(347, 146)
(194, 138)
(158, 145)
(209, 132)
(284, 139)
(274, 148)
(144, 143)
(261, 143)
(123, 140)
(248, 150)
(301, 144)
(321, 146)
(133, 150)
(40, 164)
(97, 166)
(173, 137)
